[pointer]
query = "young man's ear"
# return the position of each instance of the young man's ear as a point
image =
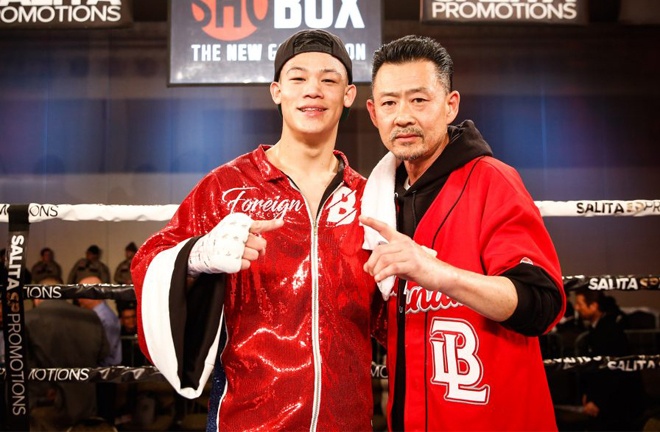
(275, 92)
(349, 95)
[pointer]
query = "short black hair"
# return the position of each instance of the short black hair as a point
(126, 304)
(590, 296)
(416, 48)
(606, 303)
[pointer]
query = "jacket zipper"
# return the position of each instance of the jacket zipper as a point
(316, 343)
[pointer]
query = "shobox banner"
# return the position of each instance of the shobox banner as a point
(234, 41)
(65, 14)
(573, 12)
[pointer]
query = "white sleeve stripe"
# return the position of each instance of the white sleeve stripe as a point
(156, 325)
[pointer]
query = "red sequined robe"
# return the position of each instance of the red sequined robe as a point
(298, 322)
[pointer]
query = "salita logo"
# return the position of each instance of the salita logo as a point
(231, 20)
(65, 13)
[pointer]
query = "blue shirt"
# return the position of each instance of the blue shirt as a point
(112, 329)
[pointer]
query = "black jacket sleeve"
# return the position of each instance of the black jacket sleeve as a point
(539, 300)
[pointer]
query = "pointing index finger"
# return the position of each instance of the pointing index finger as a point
(382, 228)
(260, 226)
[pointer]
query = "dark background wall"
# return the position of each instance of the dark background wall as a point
(87, 117)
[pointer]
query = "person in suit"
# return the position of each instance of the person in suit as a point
(612, 398)
(62, 335)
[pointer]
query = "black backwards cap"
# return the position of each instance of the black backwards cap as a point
(312, 41)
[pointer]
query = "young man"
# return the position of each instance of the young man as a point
(297, 314)
(477, 276)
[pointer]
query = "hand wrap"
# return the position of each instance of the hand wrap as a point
(221, 249)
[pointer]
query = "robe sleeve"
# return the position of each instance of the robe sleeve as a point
(179, 319)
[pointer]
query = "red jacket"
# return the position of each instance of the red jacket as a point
(464, 371)
(298, 350)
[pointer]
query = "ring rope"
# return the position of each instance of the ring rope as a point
(118, 213)
(127, 374)
(630, 363)
(613, 282)
(115, 374)
(149, 373)
(122, 292)
(126, 292)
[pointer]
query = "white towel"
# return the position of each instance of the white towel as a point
(378, 203)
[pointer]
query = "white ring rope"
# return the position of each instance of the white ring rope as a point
(588, 208)
(126, 292)
(119, 213)
(95, 212)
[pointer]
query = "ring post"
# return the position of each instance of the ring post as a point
(17, 370)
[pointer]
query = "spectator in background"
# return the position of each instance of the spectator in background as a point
(123, 271)
(128, 319)
(568, 329)
(612, 398)
(105, 392)
(61, 335)
(136, 398)
(131, 353)
(46, 267)
(91, 265)
(108, 318)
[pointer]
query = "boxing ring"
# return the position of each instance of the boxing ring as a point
(16, 374)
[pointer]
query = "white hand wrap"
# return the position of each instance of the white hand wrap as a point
(221, 249)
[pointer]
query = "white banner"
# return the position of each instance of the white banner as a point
(505, 11)
(65, 14)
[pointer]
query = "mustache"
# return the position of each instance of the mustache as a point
(407, 131)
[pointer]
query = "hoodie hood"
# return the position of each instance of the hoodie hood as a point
(465, 144)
